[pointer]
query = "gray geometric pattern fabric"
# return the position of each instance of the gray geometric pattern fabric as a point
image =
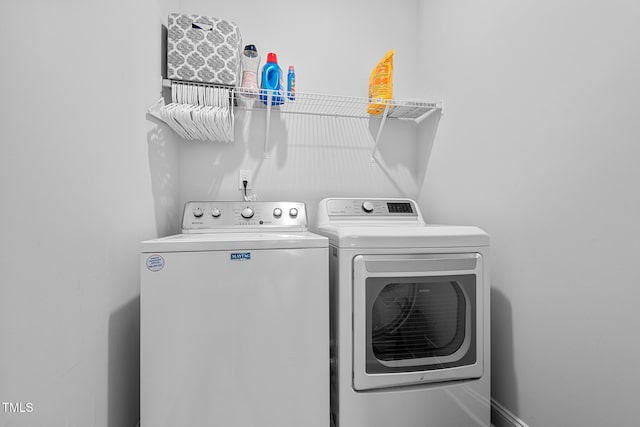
(203, 49)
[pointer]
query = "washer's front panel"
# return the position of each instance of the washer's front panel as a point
(235, 338)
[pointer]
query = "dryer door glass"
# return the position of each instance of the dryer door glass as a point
(417, 322)
(416, 319)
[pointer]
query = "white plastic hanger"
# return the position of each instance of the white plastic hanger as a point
(197, 112)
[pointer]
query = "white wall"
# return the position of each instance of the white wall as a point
(81, 172)
(334, 45)
(86, 174)
(539, 145)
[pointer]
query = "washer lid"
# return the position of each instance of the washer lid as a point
(235, 241)
(418, 236)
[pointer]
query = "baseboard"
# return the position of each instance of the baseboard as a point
(502, 417)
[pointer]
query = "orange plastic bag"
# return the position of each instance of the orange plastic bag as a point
(381, 84)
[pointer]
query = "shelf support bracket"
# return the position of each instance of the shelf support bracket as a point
(382, 122)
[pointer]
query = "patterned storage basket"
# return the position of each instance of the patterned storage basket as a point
(203, 49)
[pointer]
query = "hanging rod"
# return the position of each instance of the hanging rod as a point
(168, 82)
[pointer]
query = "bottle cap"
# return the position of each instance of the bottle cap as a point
(291, 68)
(272, 57)
(251, 47)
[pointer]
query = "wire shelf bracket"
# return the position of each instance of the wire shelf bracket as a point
(385, 114)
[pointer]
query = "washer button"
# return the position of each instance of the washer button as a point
(277, 212)
(198, 212)
(247, 213)
(215, 212)
(367, 207)
(293, 212)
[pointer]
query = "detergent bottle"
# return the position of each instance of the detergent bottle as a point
(272, 81)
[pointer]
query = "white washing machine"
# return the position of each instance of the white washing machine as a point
(235, 320)
(409, 317)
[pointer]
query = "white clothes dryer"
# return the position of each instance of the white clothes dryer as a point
(234, 319)
(409, 320)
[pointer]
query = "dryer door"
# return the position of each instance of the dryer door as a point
(417, 319)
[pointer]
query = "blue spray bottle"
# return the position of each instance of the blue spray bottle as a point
(291, 83)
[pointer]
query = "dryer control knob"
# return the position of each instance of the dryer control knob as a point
(367, 207)
(277, 212)
(247, 212)
(215, 212)
(293, 212)
(198, 212)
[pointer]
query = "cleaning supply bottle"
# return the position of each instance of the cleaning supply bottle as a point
(250, 64)
(381, 84)
(272, 80)
(291, 83)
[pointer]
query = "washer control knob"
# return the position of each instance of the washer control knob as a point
(277, 212)
(247, 212)
(293, 212)
(367, 207)
(198, 212)
(215, 212)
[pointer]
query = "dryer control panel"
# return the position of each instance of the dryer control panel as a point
(371, 207)
(371, 211)
(206, 217)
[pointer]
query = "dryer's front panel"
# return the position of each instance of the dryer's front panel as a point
(417, 319)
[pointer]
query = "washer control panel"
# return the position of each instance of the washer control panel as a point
(202, 217)
(371, 207)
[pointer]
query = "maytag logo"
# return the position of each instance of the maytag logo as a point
(241, 256)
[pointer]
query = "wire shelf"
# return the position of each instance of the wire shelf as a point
(323, 105)
(337, 106)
